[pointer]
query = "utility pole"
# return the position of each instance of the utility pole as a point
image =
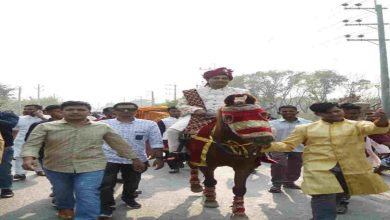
(383, 55)
(20, 100)
(152, 98)
(39, 90)
(174, 92)
(380, 26)
(168, 87)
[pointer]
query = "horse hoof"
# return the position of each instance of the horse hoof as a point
(239, 217)
(210, 204)
(196, 188)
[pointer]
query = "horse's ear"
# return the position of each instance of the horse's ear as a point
(230, 100)
(250, 99)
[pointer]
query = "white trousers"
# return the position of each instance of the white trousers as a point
(173, 139)
(174, 132)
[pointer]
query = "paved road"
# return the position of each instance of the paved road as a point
(167, 197)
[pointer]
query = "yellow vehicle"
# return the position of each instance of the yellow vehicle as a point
(154, 113)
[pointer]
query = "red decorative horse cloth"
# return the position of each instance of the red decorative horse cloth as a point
(199, 145)
(248, 121)
(196, 121)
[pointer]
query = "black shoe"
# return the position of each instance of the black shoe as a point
(381, 168)
(342, 208)
(40, 173)
(275, 189)
(53, 203)
(174, 171)
(291, 186)
(18, 177)
(105, 215)
(132, 204)
(7, 193)
(136, 193)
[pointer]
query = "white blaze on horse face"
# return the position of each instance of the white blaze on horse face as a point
(240, 100)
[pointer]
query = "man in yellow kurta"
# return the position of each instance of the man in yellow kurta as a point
(334, 157)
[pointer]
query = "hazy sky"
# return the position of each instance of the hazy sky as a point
(110, 51)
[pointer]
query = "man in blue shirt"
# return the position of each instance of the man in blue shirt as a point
(135, 132)
(8, 121)
(288, 168)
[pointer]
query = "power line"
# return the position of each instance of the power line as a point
(380, 26)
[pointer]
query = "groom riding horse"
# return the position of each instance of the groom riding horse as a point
(235, 139)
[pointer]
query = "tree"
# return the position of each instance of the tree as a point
(6, 91)
(5, 94)
(357, 87)
(271, 87)
(320, 84)
(16, 106)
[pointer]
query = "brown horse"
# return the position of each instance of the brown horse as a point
(234, 140)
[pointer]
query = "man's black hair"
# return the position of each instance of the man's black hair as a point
(170, 108)
(75, 103)
(323, 107)
(38, 107)
(350, 106)
(125, 103)
(287, 106)
(107, 110)
(52, 107)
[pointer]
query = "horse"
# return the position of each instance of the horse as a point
(235, 140)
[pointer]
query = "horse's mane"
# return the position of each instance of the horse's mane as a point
(218, 124)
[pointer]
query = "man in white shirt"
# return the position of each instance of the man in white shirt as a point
(136, 132)
(288, 168)
(163, 125)
(200, 106)
(31, 113)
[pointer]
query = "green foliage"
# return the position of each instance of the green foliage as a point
(6, 91)
(321, 84)
(168, 103)
(5, 94)
(301, 89)
(16, 106)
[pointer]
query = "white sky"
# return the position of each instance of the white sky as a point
(110, 51)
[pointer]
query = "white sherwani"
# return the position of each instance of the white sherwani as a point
(213, 99)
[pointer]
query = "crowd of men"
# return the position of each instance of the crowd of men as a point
(82, 155)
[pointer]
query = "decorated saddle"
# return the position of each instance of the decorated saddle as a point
(197, 121)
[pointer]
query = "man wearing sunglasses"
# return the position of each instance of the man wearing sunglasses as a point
(135, 132)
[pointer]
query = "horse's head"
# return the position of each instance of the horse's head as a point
(245, 119)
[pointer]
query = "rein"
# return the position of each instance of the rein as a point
(235, 148)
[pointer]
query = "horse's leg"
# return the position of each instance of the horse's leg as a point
(194, 180)
(239, 190)
(209, 194)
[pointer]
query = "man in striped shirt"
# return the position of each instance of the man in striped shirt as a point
(135, 132)
(74, 160)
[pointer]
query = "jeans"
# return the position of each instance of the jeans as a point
(324, 206)
(288, 168)
(5, 168)
(386, 162)
(131, 180)
(77, 190)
